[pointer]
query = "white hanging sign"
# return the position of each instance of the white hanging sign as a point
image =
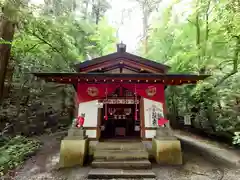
(155, 112)
(121, 101)
(187, 120)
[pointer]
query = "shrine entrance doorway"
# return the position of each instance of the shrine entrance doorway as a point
(123, 112)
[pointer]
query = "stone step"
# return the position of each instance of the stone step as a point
(119, 173)
(138, 164)
(120, 146)
(121, 150)
(120, 155)
(127, 179)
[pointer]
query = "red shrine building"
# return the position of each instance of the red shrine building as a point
(121, 94)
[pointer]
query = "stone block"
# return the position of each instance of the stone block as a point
(120, 155)
(120, 174)
(167, 151)
(73, 152)
(132, 164)
(72, 132)
(164, 132)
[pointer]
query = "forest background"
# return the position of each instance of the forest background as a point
(191, 36)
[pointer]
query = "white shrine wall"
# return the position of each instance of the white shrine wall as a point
(148, 120)
(91, 116)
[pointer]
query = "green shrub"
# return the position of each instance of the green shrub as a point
(15, 151)
(236, 138)
(3, 140)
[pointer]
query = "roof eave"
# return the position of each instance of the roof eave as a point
(126, 55)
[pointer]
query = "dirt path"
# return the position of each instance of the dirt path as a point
(196, 168)
(43, 166)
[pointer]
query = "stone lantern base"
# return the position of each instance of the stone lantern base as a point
(74, 148)
(166, 148)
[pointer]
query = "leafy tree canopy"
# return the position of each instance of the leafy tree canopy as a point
(204, 39)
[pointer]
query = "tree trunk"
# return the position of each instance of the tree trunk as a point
(8, 79)
(86, 9)
(207, 13)
(198, 32)
(6, 33)
(96, 8)
(145, 29)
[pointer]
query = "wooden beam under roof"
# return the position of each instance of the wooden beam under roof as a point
(120, 67)
(168, 79)
(119, 62)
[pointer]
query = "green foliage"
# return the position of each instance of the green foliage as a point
(204, 39)
(15, 151)
(46, 44)
(104, 38)
(51, 38)
(236, 138)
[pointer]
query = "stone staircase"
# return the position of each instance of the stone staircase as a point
(120, 160)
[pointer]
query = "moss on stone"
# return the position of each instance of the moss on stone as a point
(167, 151)
(73, 152)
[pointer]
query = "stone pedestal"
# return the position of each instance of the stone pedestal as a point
(74, 148)
(76, 133)
(166, 148)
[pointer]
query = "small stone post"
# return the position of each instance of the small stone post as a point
(74, 147)
(166, 147)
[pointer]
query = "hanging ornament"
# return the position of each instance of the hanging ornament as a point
(106, 110)
(80, 121)
(111, 111)
(127, 111)
(162, 121)
(136, 110)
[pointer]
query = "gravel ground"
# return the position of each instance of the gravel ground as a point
(196, 168)
(43, 166)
